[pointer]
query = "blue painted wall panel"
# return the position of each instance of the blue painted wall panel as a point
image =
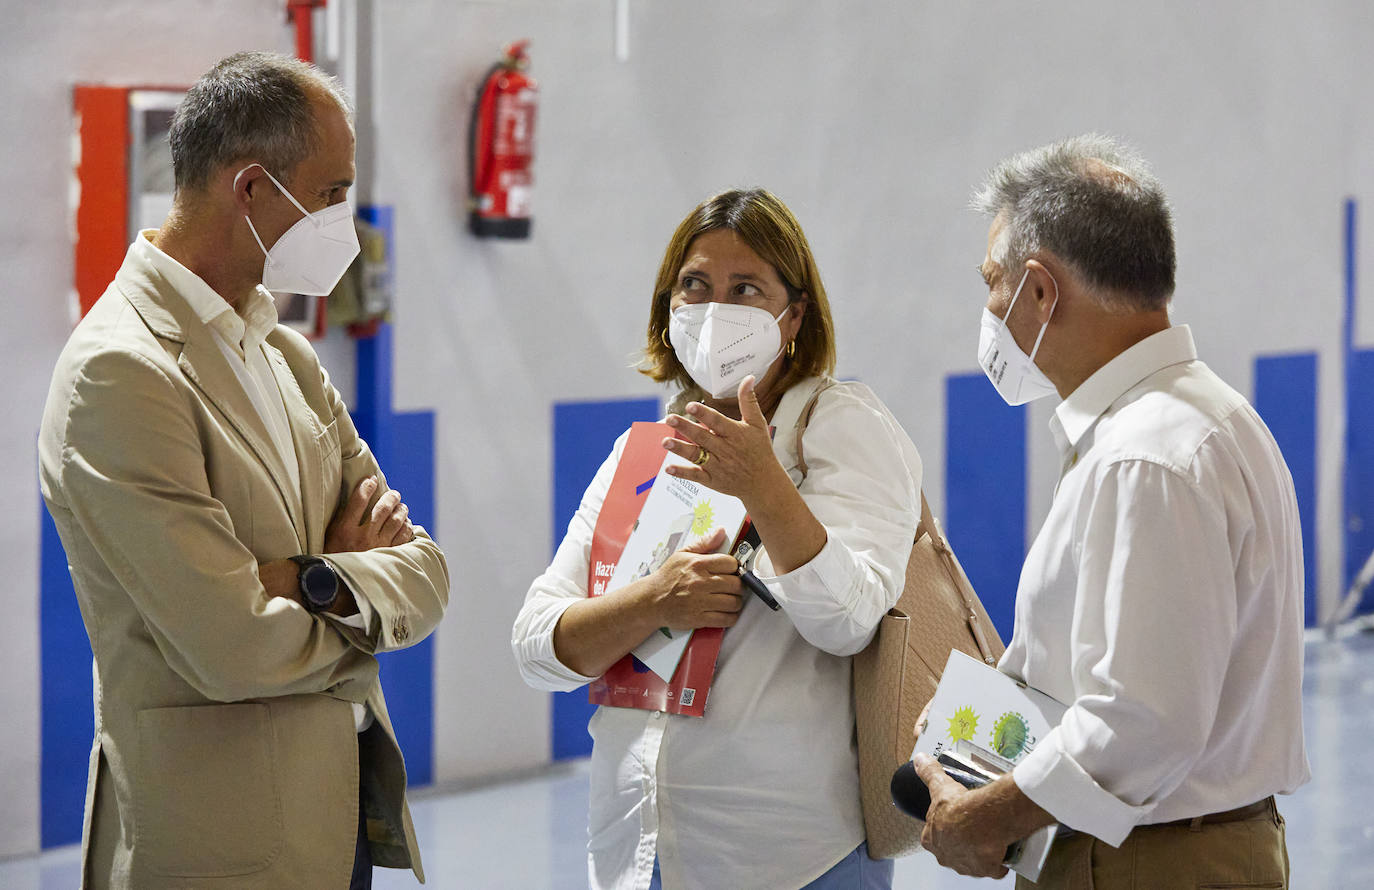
(1286, 397)
(583, 433)
(373, 400)
(1359, 462)
(404, 447)
(985, 491)
(65, 686)
(408, 675)
(1358, 470)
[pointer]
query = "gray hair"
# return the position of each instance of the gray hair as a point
(252, 106)
(1095, 205)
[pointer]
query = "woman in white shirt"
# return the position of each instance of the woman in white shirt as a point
(762, 791)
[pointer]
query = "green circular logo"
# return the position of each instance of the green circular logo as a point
(1010, 735)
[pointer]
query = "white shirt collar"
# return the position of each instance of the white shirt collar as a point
(1076, 415)
(242, 330)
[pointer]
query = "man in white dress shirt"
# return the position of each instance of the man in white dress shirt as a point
(1162, 600)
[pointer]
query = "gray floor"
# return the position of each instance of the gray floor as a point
(529, 834)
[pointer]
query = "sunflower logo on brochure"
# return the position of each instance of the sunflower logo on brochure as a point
(963, 724)
(703, 518)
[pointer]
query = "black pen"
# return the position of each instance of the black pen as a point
(745, 554)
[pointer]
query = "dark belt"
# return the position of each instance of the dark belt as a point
(1255, 810)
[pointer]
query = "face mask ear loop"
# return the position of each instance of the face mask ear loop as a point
(254, 230)
(1015, 297)
(281, 188)
(290, 197)
(1044, 327)
(251, 227)
(777, 323)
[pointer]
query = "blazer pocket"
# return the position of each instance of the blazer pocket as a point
(206, 801)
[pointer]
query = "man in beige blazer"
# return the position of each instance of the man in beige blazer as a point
(238, 558)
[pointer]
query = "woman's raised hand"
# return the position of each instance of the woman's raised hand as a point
(734, 457)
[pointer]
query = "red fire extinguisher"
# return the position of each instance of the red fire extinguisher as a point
(501, 139)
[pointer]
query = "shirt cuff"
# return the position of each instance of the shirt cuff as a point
(361, 621)
(536, 654)
(1058, 785)
(830, 562)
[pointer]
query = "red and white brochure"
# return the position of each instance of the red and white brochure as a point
(680, 512)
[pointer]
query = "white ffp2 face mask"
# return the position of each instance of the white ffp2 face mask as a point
(1014, 374)
(722, 343)
(311, 256)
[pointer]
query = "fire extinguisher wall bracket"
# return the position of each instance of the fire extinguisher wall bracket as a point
(501, 149)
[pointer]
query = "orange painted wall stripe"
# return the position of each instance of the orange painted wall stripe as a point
(102, 215)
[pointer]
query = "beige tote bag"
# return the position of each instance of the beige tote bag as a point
(896, 674)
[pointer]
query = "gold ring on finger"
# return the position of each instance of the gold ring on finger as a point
(702, 456)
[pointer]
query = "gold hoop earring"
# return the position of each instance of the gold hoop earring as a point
(663, 335)
(791, 347)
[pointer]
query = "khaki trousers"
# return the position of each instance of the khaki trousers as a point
(1248, 855)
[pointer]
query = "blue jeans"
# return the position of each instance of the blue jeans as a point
(854, 872)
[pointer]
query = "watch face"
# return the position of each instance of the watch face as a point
(320, 585)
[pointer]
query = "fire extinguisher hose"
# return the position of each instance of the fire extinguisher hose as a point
(473, 147)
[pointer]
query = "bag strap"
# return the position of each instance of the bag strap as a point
(927, 526)
(803, 419)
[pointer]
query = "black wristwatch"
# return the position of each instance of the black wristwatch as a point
(318, 582)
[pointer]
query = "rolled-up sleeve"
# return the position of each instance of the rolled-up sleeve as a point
(1153, 625)
(563, 583)
(864, 486)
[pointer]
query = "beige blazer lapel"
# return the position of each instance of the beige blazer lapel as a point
(307, 436)
(200, 359)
